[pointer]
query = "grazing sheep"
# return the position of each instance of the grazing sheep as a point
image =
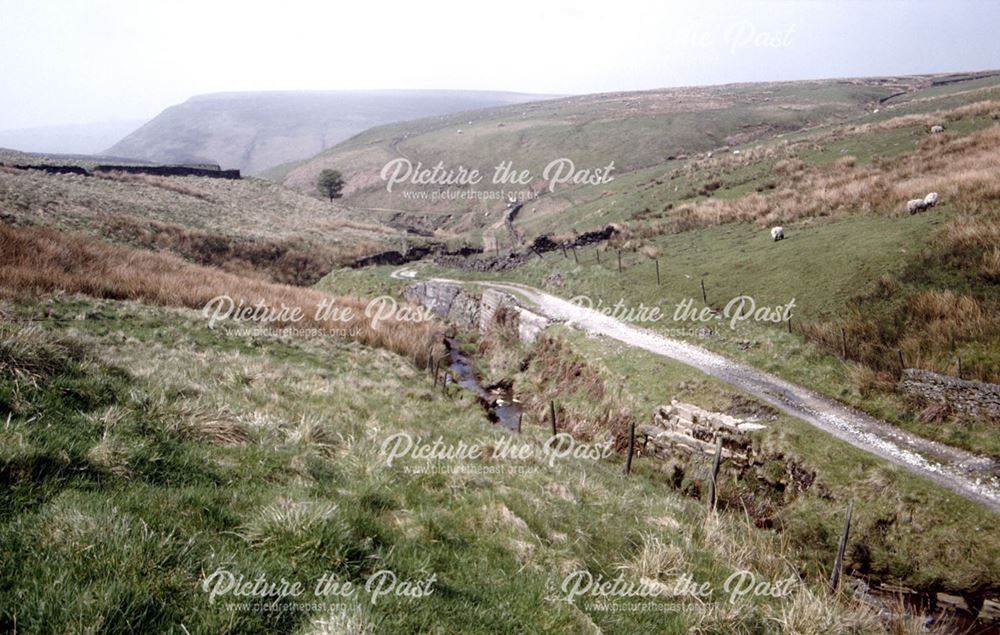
(916, 205)
(931, 199)
(937, 129)
(777, 233)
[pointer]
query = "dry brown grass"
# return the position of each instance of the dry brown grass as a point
(926, 327)
(287, 261)
(588, 406)
(232, 224)
(162, 182)
(39, 260)
(928, 119)
(961, 169)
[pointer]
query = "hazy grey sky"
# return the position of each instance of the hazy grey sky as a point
(101, 60)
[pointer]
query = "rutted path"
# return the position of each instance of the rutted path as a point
(971, 476)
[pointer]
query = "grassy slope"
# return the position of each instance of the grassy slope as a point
(906, 524)
(637, 130)
(248, 224)
(645, 194)
(825, 265)
(904, 530)
(144, 451)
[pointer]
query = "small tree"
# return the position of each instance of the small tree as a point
(330, 183)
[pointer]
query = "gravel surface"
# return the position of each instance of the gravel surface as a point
(969, 475)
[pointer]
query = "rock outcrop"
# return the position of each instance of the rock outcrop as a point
(449, 302)
(469, 312)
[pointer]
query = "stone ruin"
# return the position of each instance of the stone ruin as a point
(687, 428)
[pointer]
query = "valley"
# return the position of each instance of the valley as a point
(154, 445)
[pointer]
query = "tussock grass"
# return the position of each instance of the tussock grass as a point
(960, 168)
(144, 511)
(810, 614)
(37, 259)
(162, 182)
(249, 226)
(288, 261)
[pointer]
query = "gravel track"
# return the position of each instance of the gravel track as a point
(971, 476)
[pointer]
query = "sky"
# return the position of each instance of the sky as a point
(101, 61)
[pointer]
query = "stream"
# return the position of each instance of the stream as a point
(498, 400)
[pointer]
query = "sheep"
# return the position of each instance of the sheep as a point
(931, 199)
(916, 205)
(937, 129)
(777, 233)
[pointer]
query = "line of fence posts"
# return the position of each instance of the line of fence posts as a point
(844, 344)
(433, 365)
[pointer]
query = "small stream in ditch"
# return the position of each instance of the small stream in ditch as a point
(497, 400)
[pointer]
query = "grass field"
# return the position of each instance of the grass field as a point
(245, 226)
(638, 131)
(921, 286)
(143, 452)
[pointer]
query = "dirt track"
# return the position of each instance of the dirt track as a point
(969, 475)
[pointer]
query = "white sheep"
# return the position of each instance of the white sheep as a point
(777, 233)
(937, 129)
(932, 199)
(916, 205)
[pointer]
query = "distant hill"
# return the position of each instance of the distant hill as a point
(644, 133)
(254, 131)
(69, 139)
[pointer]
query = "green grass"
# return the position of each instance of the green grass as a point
(905, 523)
(636, 130)
(143, 452)
(823, 265)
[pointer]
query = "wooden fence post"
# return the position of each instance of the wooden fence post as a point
(576, 259)
(704, 296)
(657, 261)
(552, 416)
(841, 546)
(619, 261)
(959, 363)
(520, 416)
(899, 356)
(712, 483)
(843, 343)
(631, 448)
(789, 325)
